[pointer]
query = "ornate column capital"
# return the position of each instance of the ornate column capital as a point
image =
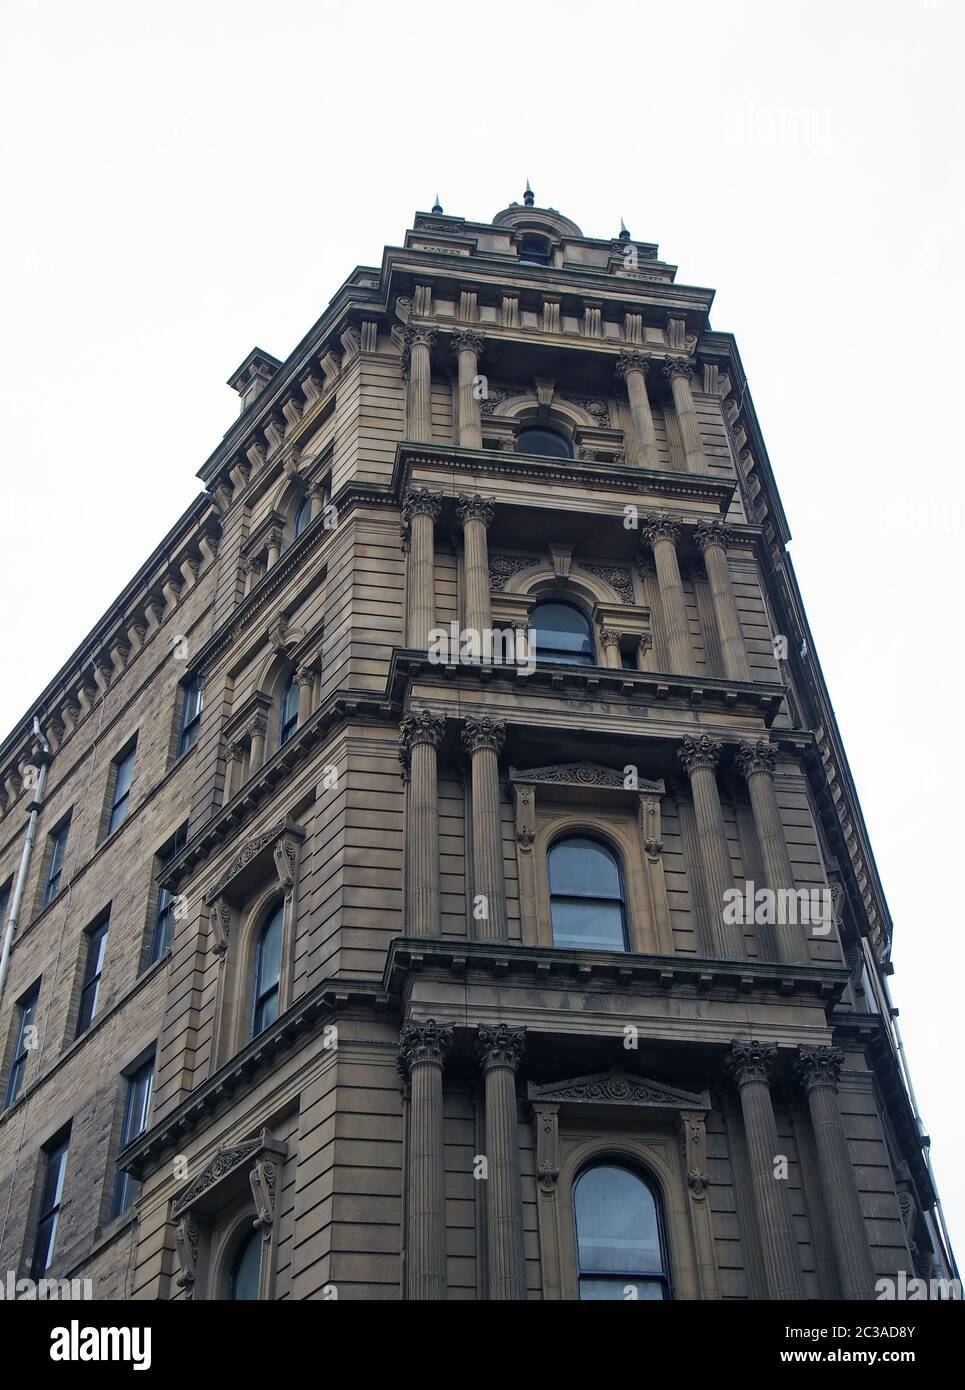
(660, 528)
(304, 675)
(501, 1046)
(818, 1067)
(258, 726)
(420, 727)
(750, 1062)
(416, 335)
(630, 361)
(755, 757)
(610, 637)
(421, 1043)
(679, 366)
(419, 501)
(475, 508)
(701, 751)
(468, 340)
(484, 733)
(710, 533)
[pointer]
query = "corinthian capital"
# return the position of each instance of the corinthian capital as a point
(659, 528)
(421, 1043)
(819, 1066)
(484, 733)
(755, 757)
(468, 340)
(423, 727)
(710, 533)
(702, 751)
(629, 361)
(419, 501)
(679, 366)
(422, 335)
(501, 1046)
(475, 508)
(749, 1062)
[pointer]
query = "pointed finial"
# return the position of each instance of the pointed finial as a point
(437, 206)
(624, 234)
(529, 197)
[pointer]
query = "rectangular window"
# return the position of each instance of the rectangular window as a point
(4, 904)
(120, 796)
(137, 1107)
(55, 862)
(190, 715)
(164, 916)
(25, 1040)
(94, 965)
(55, 1162)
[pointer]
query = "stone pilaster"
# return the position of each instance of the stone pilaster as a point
(660, 533)
(642, 439)
(475, 516)
(420, 512)
(422, 1055)
(500, 1051)
(259, 732)
(712, 539)
(700, 757)
(679, 371)
(421, 735)
(750, 1065)
(484, 739)
(467, 344)
(755, 762)
(417, 368)
(819, 1069)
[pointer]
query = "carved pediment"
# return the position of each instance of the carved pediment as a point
(278, 845)
(584, 775)
(617, 1087)
(227, 1171)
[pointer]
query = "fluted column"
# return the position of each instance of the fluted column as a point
(475, 515)
(417, 368)
(418, 748)
(750, 1064)
(500, 1052)
(819, 1069)
(679, 371)
(468, 346)
(642, 439)
(259, 731)
(700, 757)
(713, 538)
(610, 639)
(755, 762)
(484, 739)
(422, 1055)
(420, 512)
(661, 534)
(305, 679)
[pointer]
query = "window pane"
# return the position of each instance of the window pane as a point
(243, 1284)
(613, 1289)
(269, 952)
(122, 784)
(49, 1209)
(580, 867)
(190, 716)
(57, 848)
(561, 633)
(289, 712)
(303, 516)
(586, 924)
(616, 1223)
(545, 443)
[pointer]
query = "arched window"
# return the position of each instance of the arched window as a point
(302, 517)
(244, 1276)
(533, 250)
(267, 975)
(619, 1242)
(288, 715)
(546, 443)
(562, 633)
(587, 907)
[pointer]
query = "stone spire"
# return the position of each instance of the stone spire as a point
(529, 197)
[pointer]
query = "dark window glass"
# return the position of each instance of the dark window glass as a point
(96, 945)
(302, 517)
(4, 904)
(534, 251)
(618, 1236)
(164, 916)
(586, 897)
(137, 1106)
(246, 1269)
(21, 1049)
(267, 973)
(562, 633)
(546, 443)
(288, 718)
(55, 864)
(190, 715)
(122, 790)
(56, 1162)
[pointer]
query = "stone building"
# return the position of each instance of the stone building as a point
(446, 879)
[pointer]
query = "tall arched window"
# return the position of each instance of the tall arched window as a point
(619, 1237)
(267, 974)
(562, 633)
(302, 517)
(244, 1276)
(288, 714)
(587, 907)
(546, 443)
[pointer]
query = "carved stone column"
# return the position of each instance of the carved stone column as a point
(468, 346)
(420, 512)
(756, 764)
(475, 515)
(610, 642)
(417, 368)
(484, 739)
(500, 1052)
(259, 731)
(305, 679)
(713, 538)
(700, 757)
(679, 371)
(661, 534)
(232, 770)
(421, 736)
(642, 439)
(819, 1069)
(422, 1055)
(750, 1065)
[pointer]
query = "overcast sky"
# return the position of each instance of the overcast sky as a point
(188, 180)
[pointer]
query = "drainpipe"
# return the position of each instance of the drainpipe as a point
(41, 759)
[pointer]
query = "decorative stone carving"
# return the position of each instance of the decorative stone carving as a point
(219, 919)
(420, 727)
(750, 1062)
(678, 366)
(476, 508)
(223, 1163)
(659, 528)
(500, 1046)
(818, 1067)
(582, 775)
(596, 407)
(468, 340)
(630, 361)
(422, 1043)
(701, 751)
(187, 1238)
(710, 533)
(415, 335)
(484, 733)
(419, 501)
(503, 567)
(263, 1178)
(755, 757)
(618, 578)
(617, 1087)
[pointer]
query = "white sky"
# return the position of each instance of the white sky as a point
(185, 181)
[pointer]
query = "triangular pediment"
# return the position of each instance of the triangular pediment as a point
(583, 774)
(618, 1087)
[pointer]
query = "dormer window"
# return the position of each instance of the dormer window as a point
(533, 250)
